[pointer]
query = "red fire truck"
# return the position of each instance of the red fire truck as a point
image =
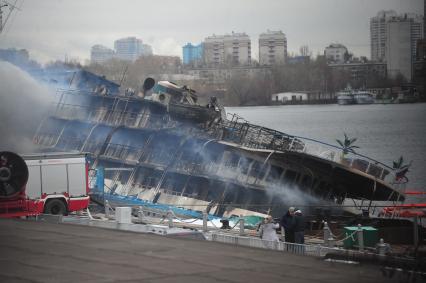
(51, 183)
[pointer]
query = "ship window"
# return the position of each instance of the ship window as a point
(258, 170)
(274, 173)
(244, 165)
(162, 97)
(232, 160)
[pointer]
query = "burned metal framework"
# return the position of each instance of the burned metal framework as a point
(226, 166)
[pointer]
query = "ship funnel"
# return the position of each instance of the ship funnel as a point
(148, 84)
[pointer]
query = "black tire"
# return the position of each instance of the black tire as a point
(55, 207)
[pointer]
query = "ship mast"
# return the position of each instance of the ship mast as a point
(11, 8)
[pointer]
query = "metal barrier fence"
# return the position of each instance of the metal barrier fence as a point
(299, 249)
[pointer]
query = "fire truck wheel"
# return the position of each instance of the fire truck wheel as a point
(56, 207)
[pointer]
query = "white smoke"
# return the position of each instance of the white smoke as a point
(23, 104)
(167, 46)
(292, 195)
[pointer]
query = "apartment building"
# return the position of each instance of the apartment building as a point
(336, 53)
(192, 54)
(100, 54)
(403, 34)
(230, 49)
(378, 34)
(272, 48)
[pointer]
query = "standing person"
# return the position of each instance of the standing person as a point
(268, 231)
(299, 227)
(287, 221)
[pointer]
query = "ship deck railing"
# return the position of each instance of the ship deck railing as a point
(240, 131)
(111, 116)
(60, 94)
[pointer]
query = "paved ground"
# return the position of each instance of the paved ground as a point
(45, 252)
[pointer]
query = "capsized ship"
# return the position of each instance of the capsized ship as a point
(169, 150)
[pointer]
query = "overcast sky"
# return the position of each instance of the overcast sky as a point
(53, 29)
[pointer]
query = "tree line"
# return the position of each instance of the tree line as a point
(312, 75)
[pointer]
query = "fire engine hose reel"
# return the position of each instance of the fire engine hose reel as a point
(13, 174)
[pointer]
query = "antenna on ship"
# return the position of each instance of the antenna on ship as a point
(11, 8)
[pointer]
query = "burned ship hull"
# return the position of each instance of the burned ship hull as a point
(225, 166)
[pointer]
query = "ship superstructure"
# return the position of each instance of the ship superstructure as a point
(180, 153)
(349, 96)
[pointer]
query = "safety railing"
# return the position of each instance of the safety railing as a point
(299, 249)
(240, 131)
(45, 139)
(351, 159)
(113, 117)
(122, 152)
(93, 146)
(94, 92)
(66, 143)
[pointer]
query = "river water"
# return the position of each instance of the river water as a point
(384, 132)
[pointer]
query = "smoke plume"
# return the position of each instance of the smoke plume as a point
(292, 195)
(23, 104)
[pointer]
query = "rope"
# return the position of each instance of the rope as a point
(336, 237)
(213, 224)
(188, 222)
(236, 224)
(350, 236)
(89, 214)
(317, 234)
(332, 234)
(180, 219)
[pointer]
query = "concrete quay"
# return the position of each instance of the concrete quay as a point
(48, 252)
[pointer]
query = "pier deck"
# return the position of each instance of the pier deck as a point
(47, 252)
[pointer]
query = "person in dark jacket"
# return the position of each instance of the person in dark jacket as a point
(287, 221)
(299, 227)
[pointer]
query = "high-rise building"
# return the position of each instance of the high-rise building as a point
(272, 48)
(100, 54)
(129, 48)
(231, 49)
(417, 31)
(336, 53)
(192, 54)
(394, 40)
(419, 66)
(401, 44)
(378, 34)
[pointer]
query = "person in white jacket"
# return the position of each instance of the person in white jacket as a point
(268, 231)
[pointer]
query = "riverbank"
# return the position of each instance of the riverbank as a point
(334, 101)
